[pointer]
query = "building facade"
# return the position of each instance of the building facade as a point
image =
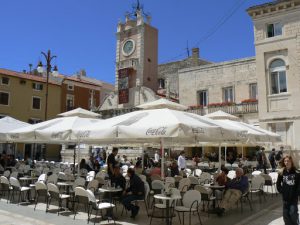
(23, 96)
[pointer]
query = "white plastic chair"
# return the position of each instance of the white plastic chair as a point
(190, 203)
(54, 194)
(41, 191)
(16, 187)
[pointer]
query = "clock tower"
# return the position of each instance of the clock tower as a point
(136, 58)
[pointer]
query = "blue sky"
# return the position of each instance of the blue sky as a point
(82, 32)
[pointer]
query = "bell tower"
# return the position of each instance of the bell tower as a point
(136, 56)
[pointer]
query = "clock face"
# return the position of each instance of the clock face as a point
(128, 47)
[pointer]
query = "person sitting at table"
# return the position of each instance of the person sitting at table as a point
(235, 188)
(222, 178)
(136, 191)
(111, 162)
(174, 169)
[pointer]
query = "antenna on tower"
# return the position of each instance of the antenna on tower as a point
(187, 48)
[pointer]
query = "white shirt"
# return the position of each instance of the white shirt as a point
(156, 157)
(181, 162)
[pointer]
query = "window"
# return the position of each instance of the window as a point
(278, 77)
(274, 29)
(37, 86)
(36, 103)
(34, 121)
(253, 91)
(70, 102)
(4, 98)
(161, 83)
(70, 87)
(228, 94)
(5, 80)
(92, 103)
(203, 97)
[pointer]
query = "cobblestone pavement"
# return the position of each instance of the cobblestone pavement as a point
(267, 212)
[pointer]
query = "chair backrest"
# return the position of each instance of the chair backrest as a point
(46, 170)
(83, 172)
(6, 173)
(194, 180)
(267, 177)
(157, 185)
(40, 186)
(62, 176)
(231, 174)
(197, 172)
(101, 174)
(155, 177)
(91, 196)
(100, 180)
(14, 174)
(79, 182)
(170, 180)
(234, 165)
(257, 182)
(80, 191)
(205, 178)
(1, 168)
(14, 182)
(143, 177)
(4, 180)
(42, 177)
(52, 188)
(52, 178)
(256, 172)
(189, 197)
(90, 176)
(184, 184)
(147, 189)
(188, 172)
(274, 176)
(178, 178)
(93, 185)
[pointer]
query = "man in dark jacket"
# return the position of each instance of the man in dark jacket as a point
(136, 191)
(288, 184)
(235, 188)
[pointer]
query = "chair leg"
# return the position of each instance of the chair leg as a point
(199, 217)
(36, 201)
(179, 217)
(96, 217)
(183, 218)
(146, 208)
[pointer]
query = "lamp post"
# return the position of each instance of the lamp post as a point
(40, 69)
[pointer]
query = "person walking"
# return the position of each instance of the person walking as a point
(181, 161)
(288, 184)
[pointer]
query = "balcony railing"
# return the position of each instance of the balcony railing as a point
(240, 108)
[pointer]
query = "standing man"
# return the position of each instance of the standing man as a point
(136, 191)
(181, 161)
(156, 157)
(272, 159)
(111, 162)
(288, 184)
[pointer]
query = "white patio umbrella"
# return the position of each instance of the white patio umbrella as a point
(8, 124)
(219, 115)
(162, 103)
(80, 113)
(159, 126)
(54, 131)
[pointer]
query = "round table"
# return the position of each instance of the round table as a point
(167, 199)
(215, 187)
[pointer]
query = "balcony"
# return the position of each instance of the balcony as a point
(232, 108)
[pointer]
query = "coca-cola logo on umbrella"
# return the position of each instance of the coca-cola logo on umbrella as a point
(57, 135)
(156, 131)
(198, 130)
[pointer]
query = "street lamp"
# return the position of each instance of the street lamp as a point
(40, 69)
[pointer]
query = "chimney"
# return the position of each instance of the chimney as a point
(195, 53)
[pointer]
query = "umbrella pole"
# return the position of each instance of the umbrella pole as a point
(143, 157)
(219, 168)
(162, 157)
(74, 160)
(78, 169)
(225, 154)
(242, 151)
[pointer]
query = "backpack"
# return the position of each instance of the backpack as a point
(272, 157)
(278, 156)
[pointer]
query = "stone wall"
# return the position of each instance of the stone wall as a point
(214, 77)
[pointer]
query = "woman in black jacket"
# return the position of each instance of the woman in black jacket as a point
(288, 184)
